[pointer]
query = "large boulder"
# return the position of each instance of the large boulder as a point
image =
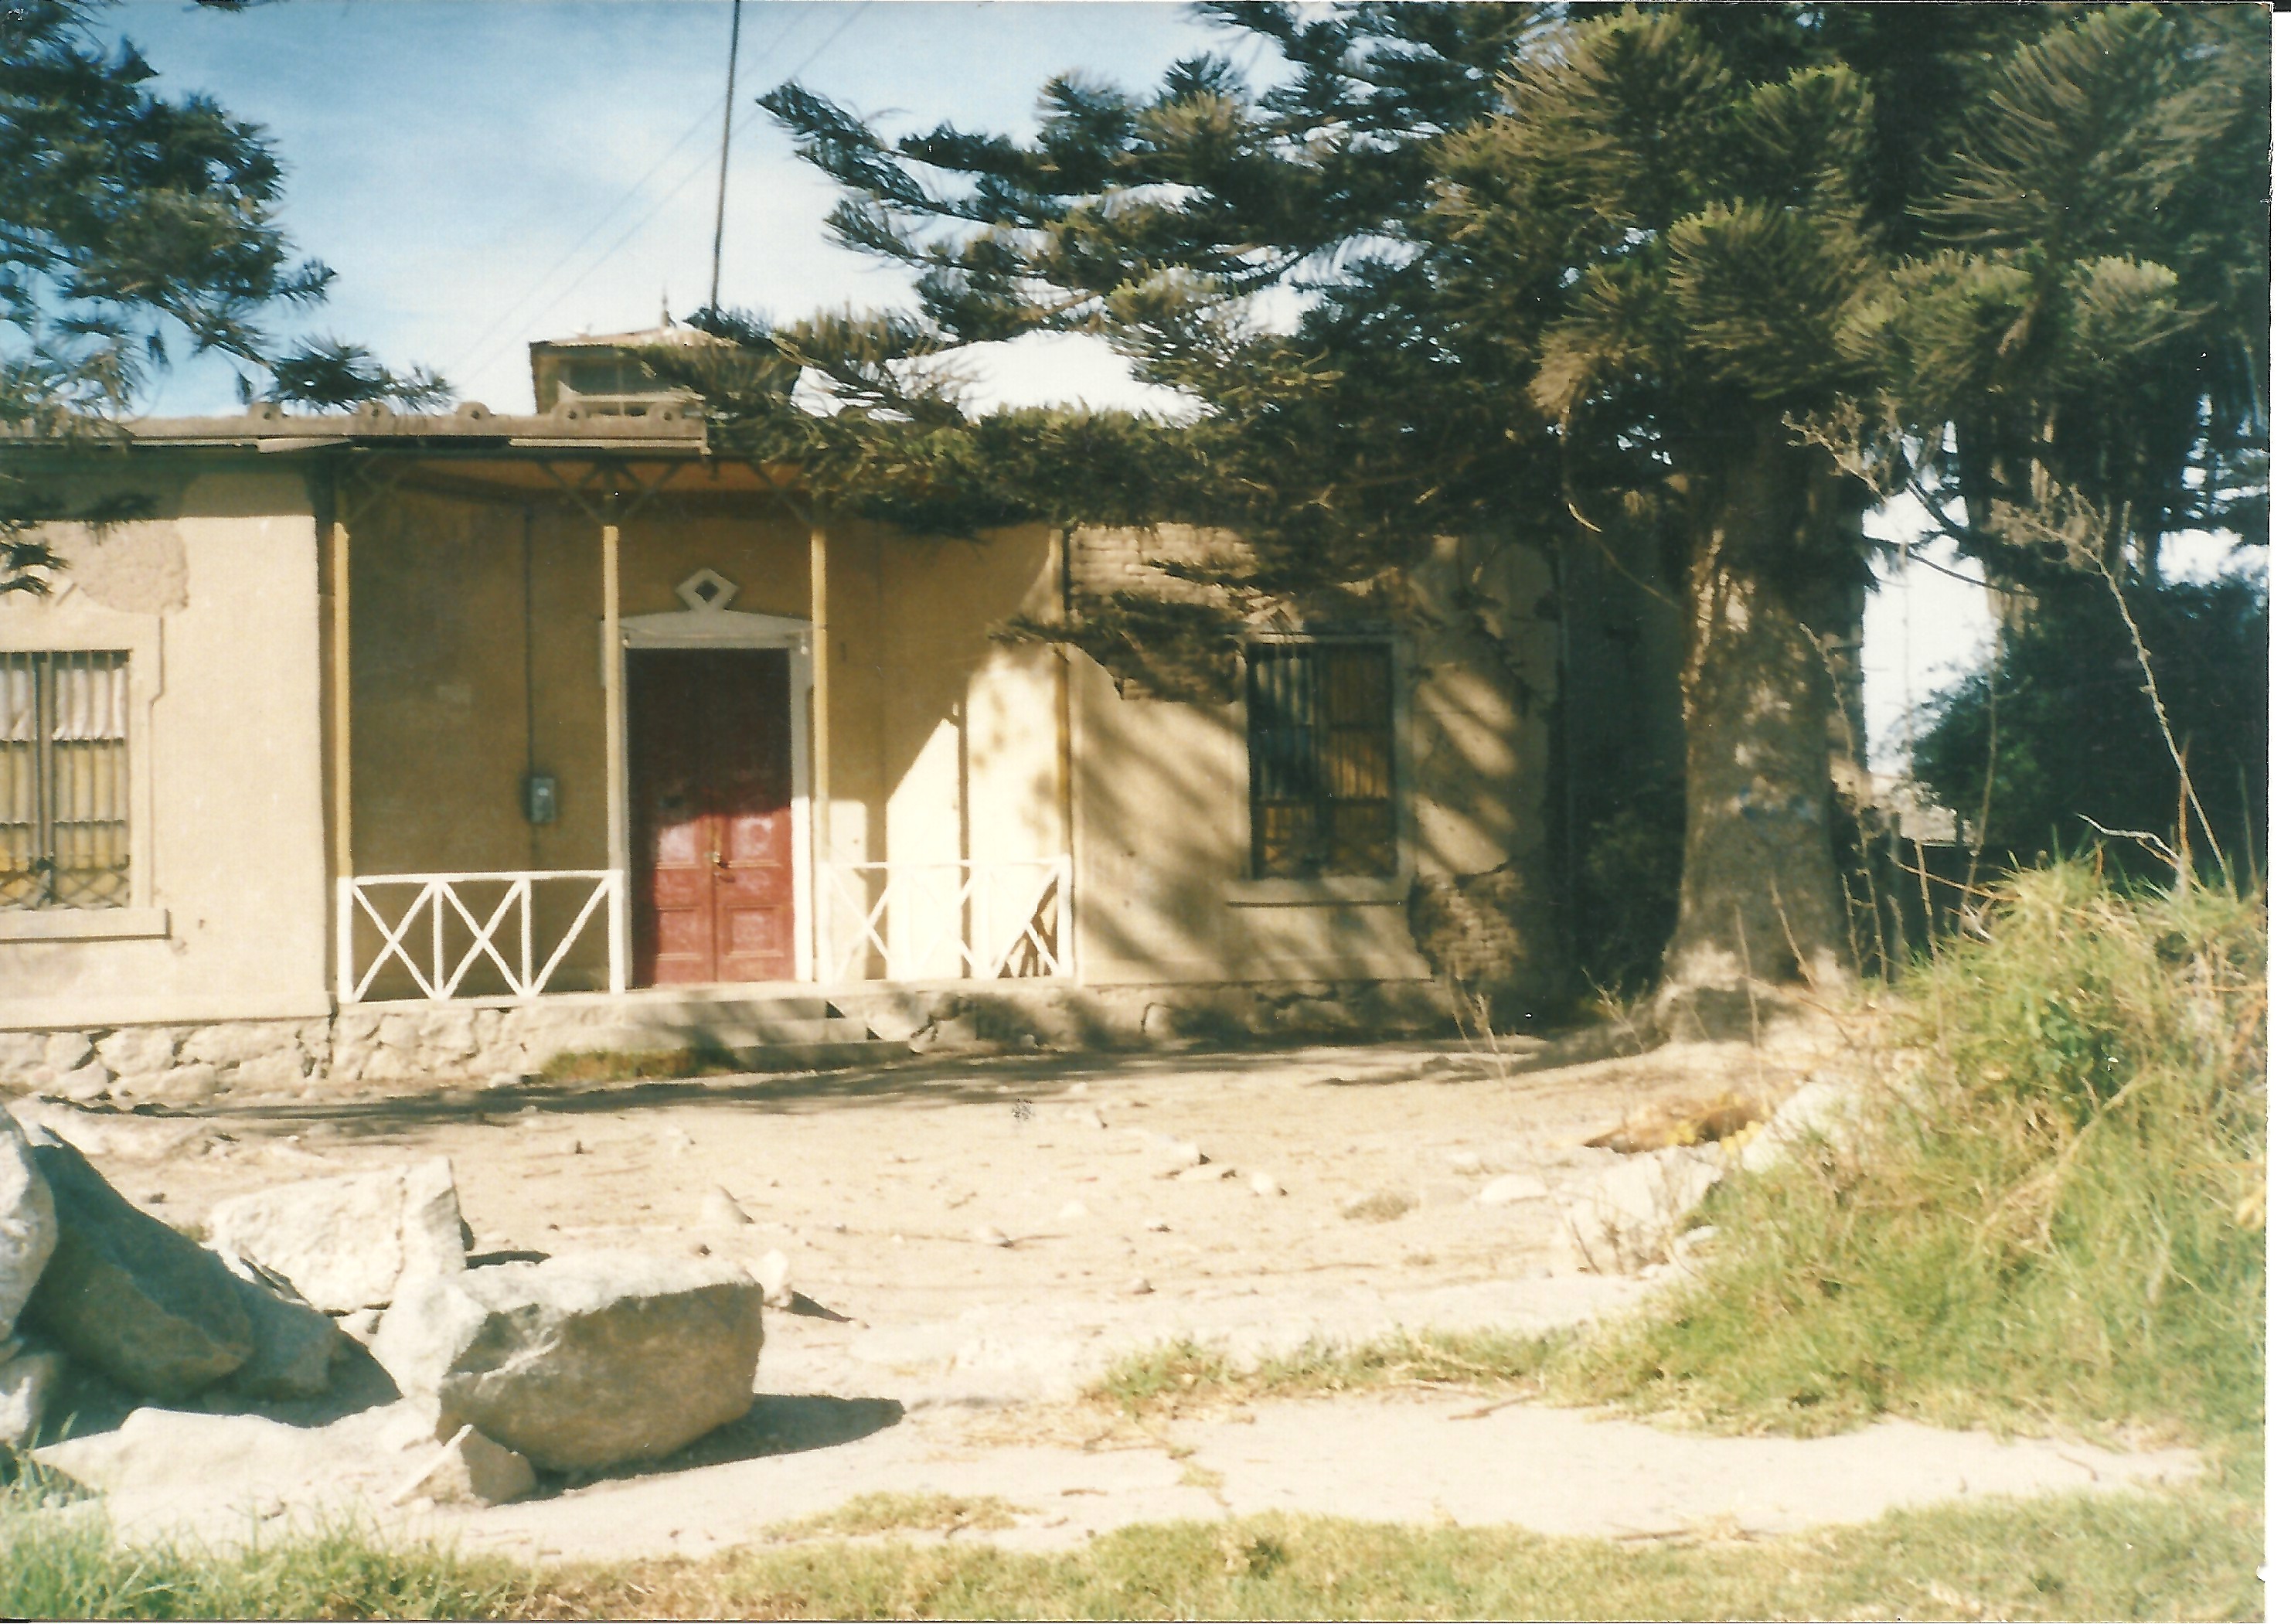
(1625, 1219)
(581, 1361)
(27, 1223)
(295, 1346)
(348, 1243)
(155, 1312)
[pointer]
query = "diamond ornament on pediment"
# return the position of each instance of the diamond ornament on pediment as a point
(704, 590)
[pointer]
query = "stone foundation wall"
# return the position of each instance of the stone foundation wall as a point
(191, 1064)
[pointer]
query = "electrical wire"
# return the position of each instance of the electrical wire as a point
(479, 350)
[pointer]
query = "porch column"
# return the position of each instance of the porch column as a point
(338, 717)
(823, 803)
(616, 812)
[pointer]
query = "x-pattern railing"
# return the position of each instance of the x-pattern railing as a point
(932, 921)
(438, 902)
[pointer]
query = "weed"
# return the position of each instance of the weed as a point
(641, 1065)
(2048, 1219)
(927, 1513)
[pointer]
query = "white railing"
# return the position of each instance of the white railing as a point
(453, 925)
(932, 922)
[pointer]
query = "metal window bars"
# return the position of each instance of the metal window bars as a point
(64, 785)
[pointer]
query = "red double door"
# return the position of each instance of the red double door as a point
(710, 783)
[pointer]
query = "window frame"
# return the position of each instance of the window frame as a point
(1252, 889)
(70, 623)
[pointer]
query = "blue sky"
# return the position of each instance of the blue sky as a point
(484, 172)
(481, 174)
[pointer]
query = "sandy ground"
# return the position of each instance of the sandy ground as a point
(972, 1240)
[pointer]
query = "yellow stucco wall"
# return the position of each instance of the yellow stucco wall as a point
(217, 601)
(475, 654)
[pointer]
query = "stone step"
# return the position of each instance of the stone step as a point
(767, 1034)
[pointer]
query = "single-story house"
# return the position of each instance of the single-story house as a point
(394, 747)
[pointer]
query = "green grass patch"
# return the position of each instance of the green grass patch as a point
(889, 1514)
(2190, 1554)
(1172, 1376)
(68, 1563)
(641, 1065)
(2052, 1218)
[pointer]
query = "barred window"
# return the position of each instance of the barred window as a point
(63, 780)
(1320, 760)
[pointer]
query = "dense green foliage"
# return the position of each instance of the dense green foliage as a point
(2049, 1213)
(1537, 275)
(137, 227)
(2062, 731)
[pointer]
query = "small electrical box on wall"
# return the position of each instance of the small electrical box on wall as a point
(540, 798)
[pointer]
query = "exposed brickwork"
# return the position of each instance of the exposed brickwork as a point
(1474, 930)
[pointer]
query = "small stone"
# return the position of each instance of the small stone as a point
(770, 1272)
(1073, 1212)
(1139, 1287)
(1468, 1162)
(69, 1051)
(1088, 1116)
(986, 1235)
(469, 1469)
(1159, 1226)
(85, 1086)
(1265, 1184)
(1207, 1172)
(359, 1324)
(720, 1211)
(675, 1139)
(1511, 1188)
(27, 1380)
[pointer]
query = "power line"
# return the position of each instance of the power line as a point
(477, 350)
(674, 192)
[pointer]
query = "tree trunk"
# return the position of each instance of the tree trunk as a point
(1767, 580)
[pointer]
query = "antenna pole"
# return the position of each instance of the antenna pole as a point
(723, 159)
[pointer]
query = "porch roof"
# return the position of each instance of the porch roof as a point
(485, 447)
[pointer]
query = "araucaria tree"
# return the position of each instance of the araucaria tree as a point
(137, 227)
(1521, 273)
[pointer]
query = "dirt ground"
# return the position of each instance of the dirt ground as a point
(971, 1240)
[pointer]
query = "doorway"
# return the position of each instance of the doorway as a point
(712, 823)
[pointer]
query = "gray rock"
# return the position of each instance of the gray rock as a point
(721, 1210)
(157, 1313)
(138, 1051)
(1626, 1219)
(1819, 1110)
(349, 1242)
(68, 1051)
(89, 1083)
(469, 1469)
(582, 1361)
(184, 1085)
(295, 1346)
(28, 1380)
(27, 1223)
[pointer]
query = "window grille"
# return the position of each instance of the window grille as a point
(63, 780)
(1320, 798)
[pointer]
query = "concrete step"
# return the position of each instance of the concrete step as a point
(767, 1034)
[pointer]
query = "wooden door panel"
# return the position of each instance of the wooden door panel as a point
(710, 780)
